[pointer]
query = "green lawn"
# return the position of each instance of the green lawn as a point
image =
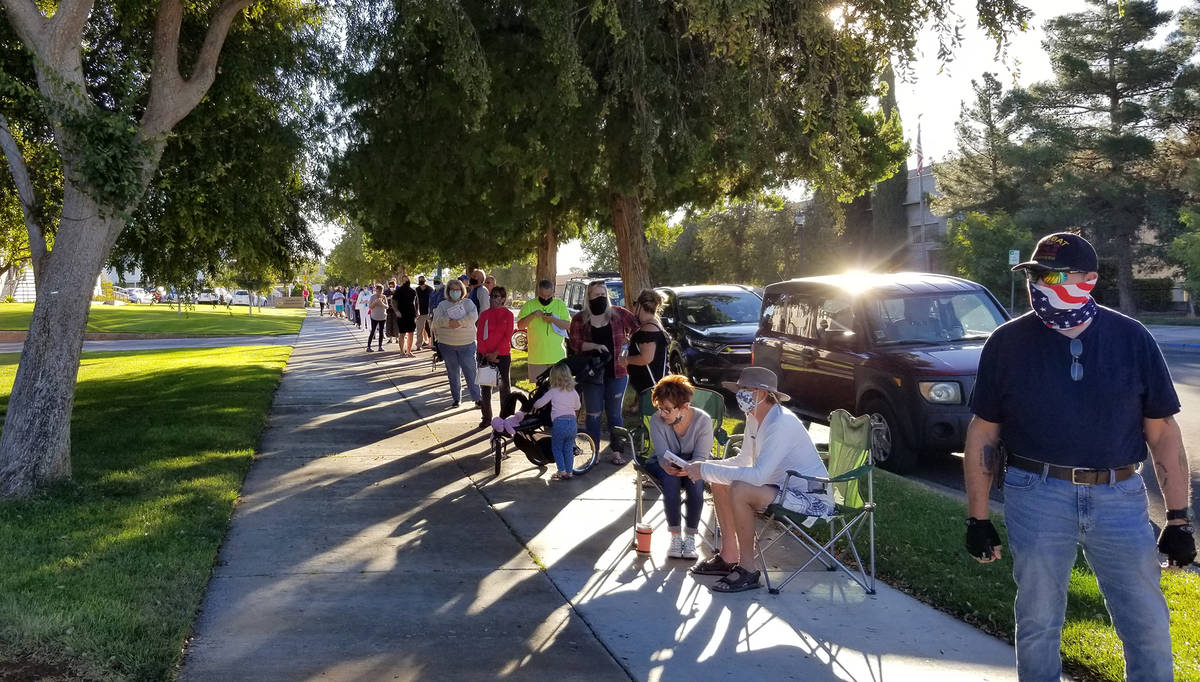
(204, 320)
(103, 575)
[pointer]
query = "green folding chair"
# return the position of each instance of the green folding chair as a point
(638, 438)
(850, 471)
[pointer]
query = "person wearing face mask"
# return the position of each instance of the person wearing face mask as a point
(545, 320)
(775, 442)
(686, 431)
(648, 346)
(603, 329)
(454, 327)
(478, 293)
(1076, 392)
(404, 301)
(424, 293)
(493, 342)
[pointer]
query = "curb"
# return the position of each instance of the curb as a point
(1180, 347)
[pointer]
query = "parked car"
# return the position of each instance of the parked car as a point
(208, 296)
(240, 297)
(574, 292)
(711, 328)
(139, 295)
(121, 294)
(902, 347)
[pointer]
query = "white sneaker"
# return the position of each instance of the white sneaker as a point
(675, 551)
(688, 551)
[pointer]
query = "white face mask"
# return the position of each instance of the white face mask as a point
(454, 294)
(745, 400)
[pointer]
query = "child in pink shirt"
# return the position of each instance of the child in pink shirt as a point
(564, 403)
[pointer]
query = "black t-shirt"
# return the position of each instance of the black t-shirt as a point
(404, 301)
(643, 377)
(604, 337)
(423, 293)
(1024, 384)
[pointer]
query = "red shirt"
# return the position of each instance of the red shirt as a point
(499, 325)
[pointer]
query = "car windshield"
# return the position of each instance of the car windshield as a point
(933, 319)
(708, 310)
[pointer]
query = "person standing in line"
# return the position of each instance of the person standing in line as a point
(564, 404)
(353, 302)
(493, 340)
(1072, 471)
(405, 302)
(454, 327)
(392, 331)
(321, 303)
(424, 293)
(377, 305)
(545, 321)
(648, 346)
(362, 305)
(604, 329)
(478, 293)
(339, 302)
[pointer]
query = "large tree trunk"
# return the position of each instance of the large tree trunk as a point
(1125, 298)
(632, 248)
(35, 447)
(547, 253)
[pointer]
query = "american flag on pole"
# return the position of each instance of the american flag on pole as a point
(920, 154)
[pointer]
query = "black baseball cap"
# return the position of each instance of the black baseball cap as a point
(1062, 252)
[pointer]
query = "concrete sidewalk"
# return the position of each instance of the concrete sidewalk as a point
(372, 542)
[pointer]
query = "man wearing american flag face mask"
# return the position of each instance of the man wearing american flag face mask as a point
(1076, 392)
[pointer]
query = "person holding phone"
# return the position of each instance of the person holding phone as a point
(545, 320)
(687, 432)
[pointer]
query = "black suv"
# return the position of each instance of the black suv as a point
(902, 347)
(711, 328)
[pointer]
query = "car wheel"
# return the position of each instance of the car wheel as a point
(520, 340)
(675, 365)
(889, 446)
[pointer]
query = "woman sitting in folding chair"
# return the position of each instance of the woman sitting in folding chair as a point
(686, 431)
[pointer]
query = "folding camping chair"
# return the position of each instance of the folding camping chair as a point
(638, 437)
(850, 465)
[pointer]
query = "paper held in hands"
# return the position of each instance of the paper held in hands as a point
(675, 460)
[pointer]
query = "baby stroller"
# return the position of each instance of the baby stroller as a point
(531, 433)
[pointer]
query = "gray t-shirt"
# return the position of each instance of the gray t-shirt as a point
(695, 444)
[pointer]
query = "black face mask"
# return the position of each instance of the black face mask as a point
(598, 305)
(420, 282)
(545, 301)
(474, 282)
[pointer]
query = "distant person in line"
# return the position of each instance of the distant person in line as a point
(424, 293)
(478, 292)
(405, 302)
(564, 406)
(362, 305)
(746, 484)
(393, 332)
(377, 305)
(454, 326)
(545, 320)
(493, 339)
(339, 303)
(321, 303)
(1078, 393)
(352, 300)
(648, 345)
(435, 298)
(603, 329)
(686, 431)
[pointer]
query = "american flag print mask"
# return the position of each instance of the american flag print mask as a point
(1063, 306)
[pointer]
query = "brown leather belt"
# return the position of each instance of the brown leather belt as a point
(1076, 475)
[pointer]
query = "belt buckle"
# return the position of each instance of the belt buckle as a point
(1075, 470)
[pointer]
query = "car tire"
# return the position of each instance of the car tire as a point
(889, 444)
(520, 340)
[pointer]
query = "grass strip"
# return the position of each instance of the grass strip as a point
(203, 320)
(104, 574)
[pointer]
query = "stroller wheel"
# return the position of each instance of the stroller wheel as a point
(586, 453)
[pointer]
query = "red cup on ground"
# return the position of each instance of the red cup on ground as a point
(643, 532)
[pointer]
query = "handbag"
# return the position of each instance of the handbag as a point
(487, 375)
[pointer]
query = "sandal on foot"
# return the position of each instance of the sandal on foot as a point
(618, 459)
(738, 580)
(714, 565)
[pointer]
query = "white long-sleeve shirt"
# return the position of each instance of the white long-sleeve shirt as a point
(768, 452)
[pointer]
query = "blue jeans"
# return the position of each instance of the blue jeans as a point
(460, 358)
(562, 442)
(1047, 519)
(605, 397)
(672, 490)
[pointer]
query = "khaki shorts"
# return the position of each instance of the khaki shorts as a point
(535, 370)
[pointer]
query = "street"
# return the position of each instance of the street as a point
(1185, 369)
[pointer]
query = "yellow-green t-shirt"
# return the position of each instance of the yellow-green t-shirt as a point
(546, 346)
